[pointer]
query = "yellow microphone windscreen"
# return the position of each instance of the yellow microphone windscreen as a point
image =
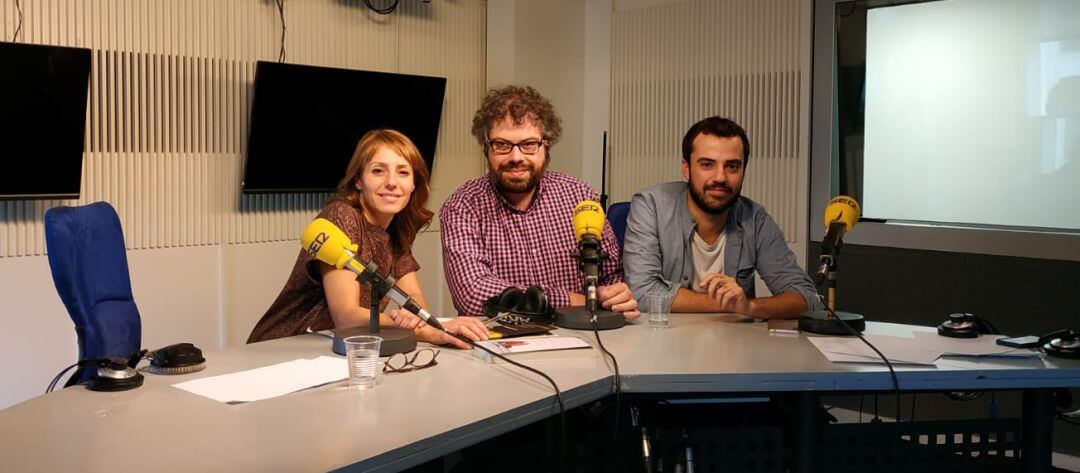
(588, 219)
(843, 208)
(327, 243)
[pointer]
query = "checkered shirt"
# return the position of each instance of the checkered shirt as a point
(488, 245)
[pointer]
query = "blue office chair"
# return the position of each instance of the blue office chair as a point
(89, 267)
(616, 215)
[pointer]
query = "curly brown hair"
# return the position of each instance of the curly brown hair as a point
(415, 216)
(520, 103)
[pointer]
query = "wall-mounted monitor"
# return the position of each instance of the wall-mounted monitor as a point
(306, 121)
(43, 97)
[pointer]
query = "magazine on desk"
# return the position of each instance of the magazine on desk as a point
(536, 348)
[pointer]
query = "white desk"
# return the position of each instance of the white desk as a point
(414, 417)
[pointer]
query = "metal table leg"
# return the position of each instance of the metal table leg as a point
(807, 432)
(1038, 432)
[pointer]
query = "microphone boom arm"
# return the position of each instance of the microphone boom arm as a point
(387, 285)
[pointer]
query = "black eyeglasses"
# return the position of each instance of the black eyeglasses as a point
(403, 363)
(505, 147)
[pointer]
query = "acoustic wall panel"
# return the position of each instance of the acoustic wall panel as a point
(170, 93)
(675, 63)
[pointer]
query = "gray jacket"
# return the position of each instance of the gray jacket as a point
(657, 255)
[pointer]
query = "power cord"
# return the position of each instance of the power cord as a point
(18, 6)
(52, 384)
(892, 372)
(281, 14)
(558, 392)
(618, 378)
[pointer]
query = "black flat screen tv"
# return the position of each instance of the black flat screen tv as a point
(42, 120)
(307, 120)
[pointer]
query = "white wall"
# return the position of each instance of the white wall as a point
(542, 44)
(205, 273)
(207, 295)
(166, 132)
(674, 63)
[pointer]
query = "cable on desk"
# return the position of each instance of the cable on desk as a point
(615, 364)
(892, 372)
(558, 392)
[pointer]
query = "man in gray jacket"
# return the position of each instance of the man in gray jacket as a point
(700, 242)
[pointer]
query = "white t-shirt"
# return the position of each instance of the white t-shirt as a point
(707, 258)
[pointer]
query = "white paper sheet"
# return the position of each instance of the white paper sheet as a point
(922, 349)
(269, 381)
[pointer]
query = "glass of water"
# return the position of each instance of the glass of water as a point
(362, 353)
(655, 307)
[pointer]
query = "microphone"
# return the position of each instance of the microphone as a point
(327, 243)
(588, 221)
(588, 228)
(840, 217)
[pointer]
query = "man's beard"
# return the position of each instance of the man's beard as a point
(714, 208)
(517, 186)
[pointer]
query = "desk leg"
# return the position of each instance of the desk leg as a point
(807, 431)
(1038, 430)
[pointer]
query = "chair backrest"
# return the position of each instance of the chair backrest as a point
(89, 267)
(616, 215)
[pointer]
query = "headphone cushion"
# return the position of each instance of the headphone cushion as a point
(504, 301)
(531, 304)
(535, 301)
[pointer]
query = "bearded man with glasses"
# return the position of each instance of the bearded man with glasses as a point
(513, 226)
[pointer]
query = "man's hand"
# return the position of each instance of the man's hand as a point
(617, 297)
(727, 293)
(469, 327)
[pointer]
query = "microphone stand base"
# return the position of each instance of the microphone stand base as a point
(394, 340)
(823, 323)
(579, 318)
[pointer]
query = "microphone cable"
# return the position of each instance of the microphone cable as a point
(892, 372)
(558, 392)
(615, 365)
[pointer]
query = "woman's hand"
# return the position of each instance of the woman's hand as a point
(405, 319)
(468, 327)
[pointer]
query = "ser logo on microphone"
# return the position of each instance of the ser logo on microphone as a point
(318, 242)
(586, 206)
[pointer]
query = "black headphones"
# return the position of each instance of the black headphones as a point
(115, 374)
(119, 374)
(964, 325)
(520, 307)
(1067, 345)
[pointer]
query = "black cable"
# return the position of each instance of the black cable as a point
(18, 6)
(618, 378)
(281, 14)
(385, 10)
(892, 372)
(52, 384)
(558, 392)
(963, 395)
